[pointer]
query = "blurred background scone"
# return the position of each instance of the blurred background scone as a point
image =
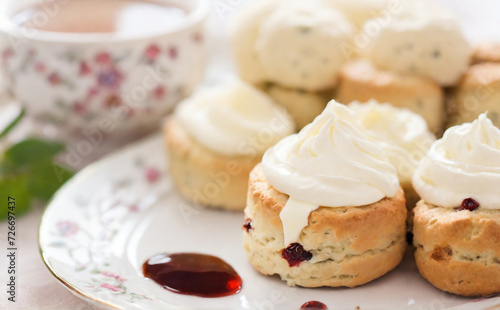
(361, 81)
(325, 207)
(301, 104)
(216, 137)
(361, 10)
(244, 33)
(293, 45)
(402, 134)
(486, 52)
(423, 40)
(478, 91)
(457, 222)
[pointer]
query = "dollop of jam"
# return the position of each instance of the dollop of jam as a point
(248, 225)
(193, 274)
(314, 305)
(295, 254)
(468, 204)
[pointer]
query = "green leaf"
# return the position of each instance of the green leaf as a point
(27, 173)
(15, 187)
(31, 151)
(12, 123)
(46, 178)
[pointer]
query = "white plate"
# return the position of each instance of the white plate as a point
(106, 221)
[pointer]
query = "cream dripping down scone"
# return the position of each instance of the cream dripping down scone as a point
(216, 137)
(325, 207)
(402, 134)
(361, 81)
(291, 43)
(423, 40)
(457, 222)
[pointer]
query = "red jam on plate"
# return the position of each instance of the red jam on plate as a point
(314, 305)
(193, 274)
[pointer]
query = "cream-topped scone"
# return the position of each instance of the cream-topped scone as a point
(325, 207)
(216, 137)
(402, 134)
(423, 40)
(457, 222)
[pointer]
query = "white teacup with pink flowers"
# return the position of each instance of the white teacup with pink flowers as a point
(110, 81)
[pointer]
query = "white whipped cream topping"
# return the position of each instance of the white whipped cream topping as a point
(402, 134)
(234, 119)
(423, 39)
(332, 162)
(465, 163)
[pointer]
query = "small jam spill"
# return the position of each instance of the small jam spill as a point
(295, 254)
(193, 274)
(469, 204)
(248, 225)
(314, 305)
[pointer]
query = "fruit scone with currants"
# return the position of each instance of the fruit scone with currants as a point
(457, 222)
(325, 207)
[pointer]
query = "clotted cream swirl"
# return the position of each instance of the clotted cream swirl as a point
(234, 119)
(465, 163)
(332, 162)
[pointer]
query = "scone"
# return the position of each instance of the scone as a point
(302, 105)
(478, 91)
(486, 52)
(291, 43)
(325, 207)
(244, 33)
(361, 81)
(402, 134)
(216, 137)
(457, 223)
(423, 40)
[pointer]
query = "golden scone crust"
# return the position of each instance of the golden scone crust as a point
(204, 177)
(350, 246)
(477, 92)
(486, 52)
(458, 251)
(360, 80)
(302, 105)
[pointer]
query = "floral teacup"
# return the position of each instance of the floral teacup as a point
(107, 81)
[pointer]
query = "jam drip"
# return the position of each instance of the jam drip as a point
(314, 305)
(193, 274)
(295, 254)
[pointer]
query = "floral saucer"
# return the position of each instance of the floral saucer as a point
(105, 222)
